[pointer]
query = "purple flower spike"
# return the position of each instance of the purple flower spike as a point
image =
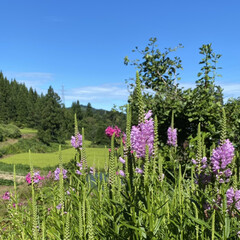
(57, 172)
(172, 136)
(79, 165)
(91, 170)
(139, 170)
(76, 141)
(59, 206)
(233, 198)
(148, 115)
(142, 135)
(230, 195)
(194, 161)
(222, 156)
(237, 199)
(122, 160)
(121, 172)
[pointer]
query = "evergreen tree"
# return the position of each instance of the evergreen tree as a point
(89, 110)
(32, 108)
(3, 105)
(76, 108)
(52, 121)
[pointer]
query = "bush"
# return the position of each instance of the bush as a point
(6, 182)
(1, 137)
(20, 168)
(9, 131)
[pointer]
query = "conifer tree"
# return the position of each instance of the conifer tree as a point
(76, 108)
(89, 110)
(51, 124)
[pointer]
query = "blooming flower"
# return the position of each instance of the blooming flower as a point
(36, 177)
(122, 160)
(124, 138)
(172, 136)
(139, 170)
(78, 172)
(49, 174)
(28, 178)
(230, 195)
(92, 170)
(121, 172)
(57, 172)
(148, 115)
(59, 206)
(6, 196)
(142, 135)
(76, 141)
(203, 176)
(79, 165)
(233, 197)
(222, 156)
(110, 131)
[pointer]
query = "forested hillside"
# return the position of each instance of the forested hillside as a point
(26, 108)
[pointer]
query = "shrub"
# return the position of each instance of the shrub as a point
(9, 131)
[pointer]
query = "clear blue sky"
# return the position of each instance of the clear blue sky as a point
(81, 44)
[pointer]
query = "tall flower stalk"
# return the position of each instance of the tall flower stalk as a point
(34, 204)
(142, 135)
(172, 133)
(139, 99)
(221, 159)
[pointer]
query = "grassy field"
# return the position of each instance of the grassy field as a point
(28, 131)
(51, 159)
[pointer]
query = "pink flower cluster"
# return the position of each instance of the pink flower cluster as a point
(110, 131)
(36, 177)
(6, 196)
(142, 135)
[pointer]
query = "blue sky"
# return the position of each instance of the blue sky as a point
(81, 44)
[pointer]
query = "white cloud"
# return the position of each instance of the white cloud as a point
(36, 80)
(97, 93)
(102, 97)
(230, 90)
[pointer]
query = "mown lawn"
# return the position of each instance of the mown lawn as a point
(51, 159)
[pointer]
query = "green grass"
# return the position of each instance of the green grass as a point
(51, 159)
(28, 131)
(21, 169)
(36, 146)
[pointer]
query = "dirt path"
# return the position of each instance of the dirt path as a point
(28, 135)
(8, 176)
(12, 141)
(8, 142)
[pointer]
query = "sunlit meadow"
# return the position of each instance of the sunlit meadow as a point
(142, 192)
